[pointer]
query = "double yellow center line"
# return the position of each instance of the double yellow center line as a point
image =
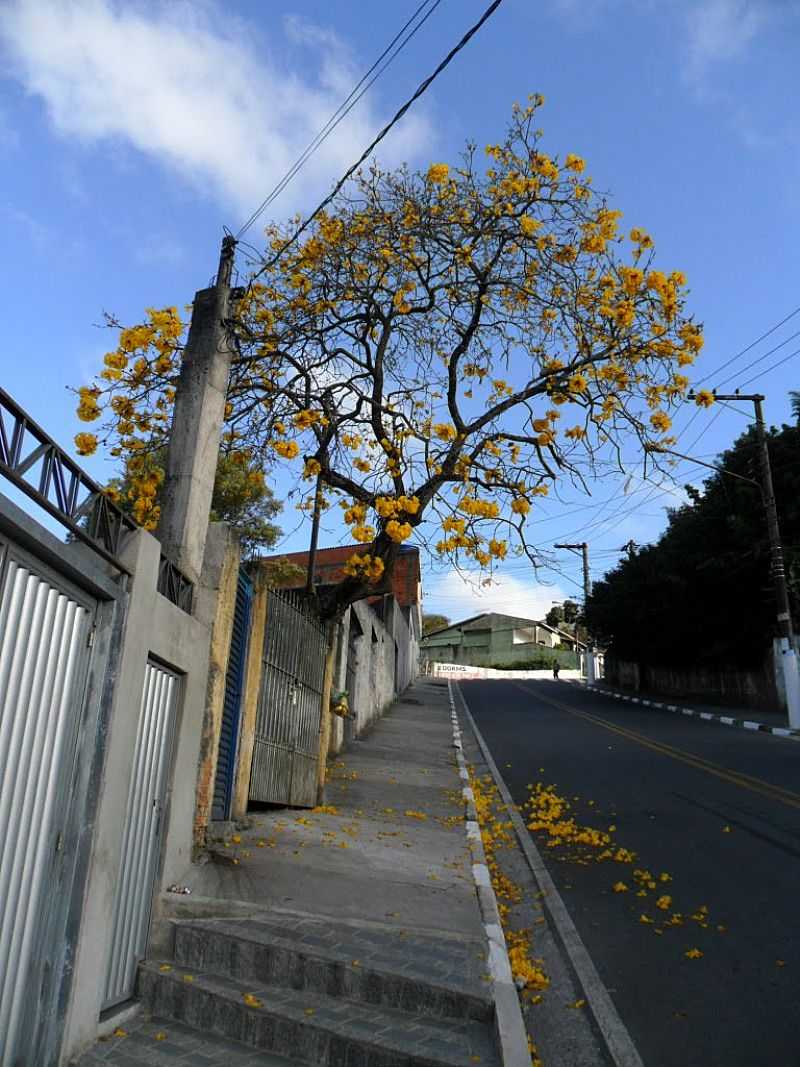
(745, 781)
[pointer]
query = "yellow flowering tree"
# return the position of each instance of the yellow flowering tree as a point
(438, 348)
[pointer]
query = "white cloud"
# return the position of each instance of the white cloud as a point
(459, 596)
(721, 31)
(186, 84)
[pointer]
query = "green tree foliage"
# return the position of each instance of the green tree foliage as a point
(563, 616)
(703, 594)
(570, 609)
(434, 622)
(241, 497)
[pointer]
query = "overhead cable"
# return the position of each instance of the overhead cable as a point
(774, 366)
(344, 108)
(389, 125)
(760, 359)
(745, 350)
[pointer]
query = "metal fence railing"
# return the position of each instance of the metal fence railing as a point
(38, 467)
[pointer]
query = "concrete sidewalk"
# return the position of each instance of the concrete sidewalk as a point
(350, 933)
(393, 851)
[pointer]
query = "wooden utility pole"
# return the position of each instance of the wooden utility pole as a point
(583, 548)
(791, 676)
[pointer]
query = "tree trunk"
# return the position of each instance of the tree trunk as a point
(325, 714)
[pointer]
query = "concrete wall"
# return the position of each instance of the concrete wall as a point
(713, 685)
(154, 627)
(386, 663)
(460, 672)
(77, 565)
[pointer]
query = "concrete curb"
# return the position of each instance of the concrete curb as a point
(725, 720)
(510, 1030)
(615, 1036)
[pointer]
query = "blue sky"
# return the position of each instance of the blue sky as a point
(132, 132)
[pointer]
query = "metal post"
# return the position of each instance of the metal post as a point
(197, 422)
(784, 614)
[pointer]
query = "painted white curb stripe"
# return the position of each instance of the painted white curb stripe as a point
(480, 872)
(726, 720)
(510, 1030)
(618, 1041)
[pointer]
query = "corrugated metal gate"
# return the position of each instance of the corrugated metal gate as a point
(45, 632)
(234, 686)
(286, 746)
(142, 834)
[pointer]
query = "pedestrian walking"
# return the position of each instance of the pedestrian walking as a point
(555, 669)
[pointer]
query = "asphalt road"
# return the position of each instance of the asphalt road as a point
(671, 785)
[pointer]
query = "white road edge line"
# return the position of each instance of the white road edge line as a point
(615, 1034)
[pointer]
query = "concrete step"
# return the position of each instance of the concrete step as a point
(167, 1043)
(431, 977)
(318, 1030)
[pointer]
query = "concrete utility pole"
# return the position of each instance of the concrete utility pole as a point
(791, 676)
(583, 548)
(197, 422)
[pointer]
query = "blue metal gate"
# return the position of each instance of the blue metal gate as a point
(234, 687)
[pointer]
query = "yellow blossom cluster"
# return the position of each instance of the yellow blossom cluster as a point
(85, 444)
(398, 531)
(497, 835)
(416, 312)
(367, 567)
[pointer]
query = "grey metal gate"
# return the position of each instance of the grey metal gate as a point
(45, 633)
(234, 685)
(286, 745)
(142, 834)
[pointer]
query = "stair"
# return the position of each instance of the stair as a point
(328, 994)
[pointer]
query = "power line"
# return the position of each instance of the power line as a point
(760, 359)
(343, 110)
(769, 370)
(422, 88)
(753, 344)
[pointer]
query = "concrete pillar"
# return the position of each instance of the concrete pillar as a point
(197, 425)
(219, 582)
(252, 687)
